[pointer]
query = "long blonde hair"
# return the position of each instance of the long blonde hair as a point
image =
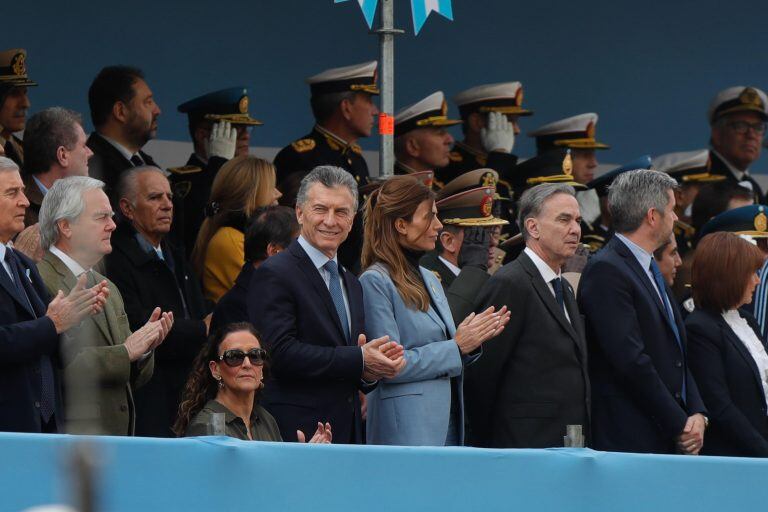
(241, 186)
(397, 198)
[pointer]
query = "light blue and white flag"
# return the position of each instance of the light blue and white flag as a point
(422, 8)
(368, 7)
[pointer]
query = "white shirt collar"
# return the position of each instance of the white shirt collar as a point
(71, 264)
(453, 268)
(544, 269)
(739, 175)
(43, 188)
(641, 255)
(318, 258)
(122, 149)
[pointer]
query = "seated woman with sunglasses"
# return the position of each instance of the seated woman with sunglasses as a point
(226, 377)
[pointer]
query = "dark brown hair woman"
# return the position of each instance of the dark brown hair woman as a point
(725, 351)
(226, 377)
(423, 404)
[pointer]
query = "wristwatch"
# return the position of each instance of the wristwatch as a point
(706, 422)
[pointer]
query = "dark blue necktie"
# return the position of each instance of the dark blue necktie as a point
(557, 285)
(46, 368)
(660, 283)
(334, 286)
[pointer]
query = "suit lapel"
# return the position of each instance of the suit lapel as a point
(440, 316)
(68, 281)
(546, 296)
(741, 349)
(29, 289)
(10, 287)
(632, 262)
(313, 276)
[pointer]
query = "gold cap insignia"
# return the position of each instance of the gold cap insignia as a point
(749, 96)
(567, 164)
(488, 180)
(486, 205)
(761, 222)
(18, 64)
(242, 106)
(519, 97)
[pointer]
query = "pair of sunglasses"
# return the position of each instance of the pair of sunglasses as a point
(236, 357)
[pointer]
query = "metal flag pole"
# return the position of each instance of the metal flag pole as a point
(387, 34)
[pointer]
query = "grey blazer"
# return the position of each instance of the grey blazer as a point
(414, 407)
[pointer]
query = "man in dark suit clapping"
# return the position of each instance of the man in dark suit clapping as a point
(309, 311)
(645, 397)
(531, 381)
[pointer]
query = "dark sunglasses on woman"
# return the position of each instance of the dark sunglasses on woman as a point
(235, 357)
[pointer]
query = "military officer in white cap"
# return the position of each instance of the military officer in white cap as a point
(737, 117)
(576, 133)
(490, 113)
(344, 110)
(422, 142)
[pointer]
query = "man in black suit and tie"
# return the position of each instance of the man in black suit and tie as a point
(309, 311)
(645, 399)
(124, 115)
(532, 382)
(29, 324)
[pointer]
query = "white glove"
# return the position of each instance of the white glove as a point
(222, 140)
(499, 134)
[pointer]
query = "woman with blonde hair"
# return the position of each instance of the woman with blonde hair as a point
(241, 186)
(423, 404)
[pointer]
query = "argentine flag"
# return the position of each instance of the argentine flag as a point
(420, 9)
(368, 7)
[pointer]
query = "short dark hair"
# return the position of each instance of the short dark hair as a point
(713, 199)
(270, 225)
(45, 133)
(112, 84)
(717, 255)
(324, 105)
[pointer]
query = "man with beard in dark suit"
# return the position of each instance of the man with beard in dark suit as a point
(124, 115)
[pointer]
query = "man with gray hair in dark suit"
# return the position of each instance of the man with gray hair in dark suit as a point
(532, 382)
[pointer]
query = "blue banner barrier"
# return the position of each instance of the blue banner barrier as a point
(221, 474)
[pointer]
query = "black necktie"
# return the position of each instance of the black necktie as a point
(557, 285)
(137, 161)
(46, 368)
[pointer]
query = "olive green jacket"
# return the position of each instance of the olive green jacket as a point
(98, 376)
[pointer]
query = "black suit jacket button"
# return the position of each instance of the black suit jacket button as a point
(678, 395)
(349, 399)
(123, 407)
(679, 364)
(37, 404)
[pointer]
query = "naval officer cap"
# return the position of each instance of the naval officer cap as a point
(13, 71)
(224, 105)
(748, 221)
(738, 99)
(687, 166)
(555, 166)
(431, 112)
(577, 132)
(354, 78)
(505, 98)
(470, 208)
(604, 181)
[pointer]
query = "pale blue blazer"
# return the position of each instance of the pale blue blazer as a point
(414, 407)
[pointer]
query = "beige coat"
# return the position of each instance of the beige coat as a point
(98, 376)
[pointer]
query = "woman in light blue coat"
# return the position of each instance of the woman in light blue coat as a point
(423, 405)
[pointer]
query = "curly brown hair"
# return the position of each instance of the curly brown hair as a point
(201, 386)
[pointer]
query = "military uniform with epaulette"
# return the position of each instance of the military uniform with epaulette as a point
(13, 74)
(321, 146)
(191, 184)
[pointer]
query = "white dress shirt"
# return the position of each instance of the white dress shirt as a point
(3, 248)
(453, 268)
(747, 335)
(547, 274)
(71, 264)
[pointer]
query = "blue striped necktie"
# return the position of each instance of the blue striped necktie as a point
(334, 286)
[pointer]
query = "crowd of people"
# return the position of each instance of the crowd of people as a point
(472, 298)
